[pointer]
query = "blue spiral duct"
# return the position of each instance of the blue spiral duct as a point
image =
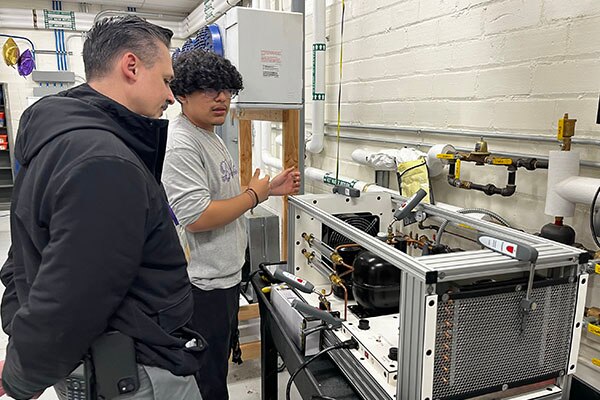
(207, 39)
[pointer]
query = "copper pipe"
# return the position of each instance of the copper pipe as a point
(336, 280)
(345, 246)
(349, 268)
(341, 262)
(345, 300)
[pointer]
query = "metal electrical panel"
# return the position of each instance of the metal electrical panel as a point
(266, 48)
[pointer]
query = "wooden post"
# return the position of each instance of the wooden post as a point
(245, 146)
(291, 126)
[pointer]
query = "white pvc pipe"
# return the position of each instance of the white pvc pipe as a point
(578, 189)
(267, 158)
(315, 145)
(84, 21)
(361, 156)
(279, 140)
(198, 19)
(15, 18)
(328, 178)
(23, 19)
(16, 25)
(562, 165)
(256, 145)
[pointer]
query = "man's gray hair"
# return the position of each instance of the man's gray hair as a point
(111, 37)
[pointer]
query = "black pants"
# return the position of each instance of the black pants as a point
(216, 318)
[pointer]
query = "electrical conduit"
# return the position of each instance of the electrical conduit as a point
(315, 145)
(182, 29)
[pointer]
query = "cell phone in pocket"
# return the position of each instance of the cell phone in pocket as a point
(115, 366)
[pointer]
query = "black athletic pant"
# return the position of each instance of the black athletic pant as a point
(216, 318)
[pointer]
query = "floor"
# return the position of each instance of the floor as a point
(244, 380)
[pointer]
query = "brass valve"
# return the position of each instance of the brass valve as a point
(337, 259)
(307, 237)
(309, 255)
(390, 234)
(566, 130)
(481, 147)
(336, 280)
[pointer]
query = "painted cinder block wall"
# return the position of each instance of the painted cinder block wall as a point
(511, 66)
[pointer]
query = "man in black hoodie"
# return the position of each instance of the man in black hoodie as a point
(94, 248)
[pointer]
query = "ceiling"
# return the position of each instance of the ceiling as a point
(174, 6)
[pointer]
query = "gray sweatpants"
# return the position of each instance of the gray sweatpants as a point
(155, 384)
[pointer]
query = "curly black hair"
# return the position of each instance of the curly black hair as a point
(199, 69)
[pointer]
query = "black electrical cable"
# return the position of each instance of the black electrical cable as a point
(339, 100)
(592, 209)
(319, 397)
(250, 279)
(281, 367)
(346, 344)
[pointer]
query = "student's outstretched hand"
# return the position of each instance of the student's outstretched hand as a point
(260, 186)
(287, 182)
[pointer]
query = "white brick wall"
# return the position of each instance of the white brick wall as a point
(487, 65)
(511, 15)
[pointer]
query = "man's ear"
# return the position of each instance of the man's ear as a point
(181, 99)
(129, 66)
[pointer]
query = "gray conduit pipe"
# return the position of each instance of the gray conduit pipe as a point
(440, 232)
(490, 135)
(585, 163)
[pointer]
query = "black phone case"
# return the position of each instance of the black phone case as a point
(115, 366)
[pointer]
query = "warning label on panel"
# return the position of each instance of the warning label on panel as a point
(271, 63)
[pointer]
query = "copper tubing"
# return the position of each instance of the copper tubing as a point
(345, 246)
(336, 280)
(345, 300)
(409, 240)
(340, 261)
(349, 267)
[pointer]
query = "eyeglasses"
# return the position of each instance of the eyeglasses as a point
(214, 93)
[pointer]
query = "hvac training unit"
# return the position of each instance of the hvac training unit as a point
(455, 323)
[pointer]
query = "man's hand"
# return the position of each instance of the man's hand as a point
(287, 182)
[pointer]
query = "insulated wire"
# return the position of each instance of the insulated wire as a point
(305, 364)
(339, 104)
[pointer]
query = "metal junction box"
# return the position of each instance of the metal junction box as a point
(266, 48)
